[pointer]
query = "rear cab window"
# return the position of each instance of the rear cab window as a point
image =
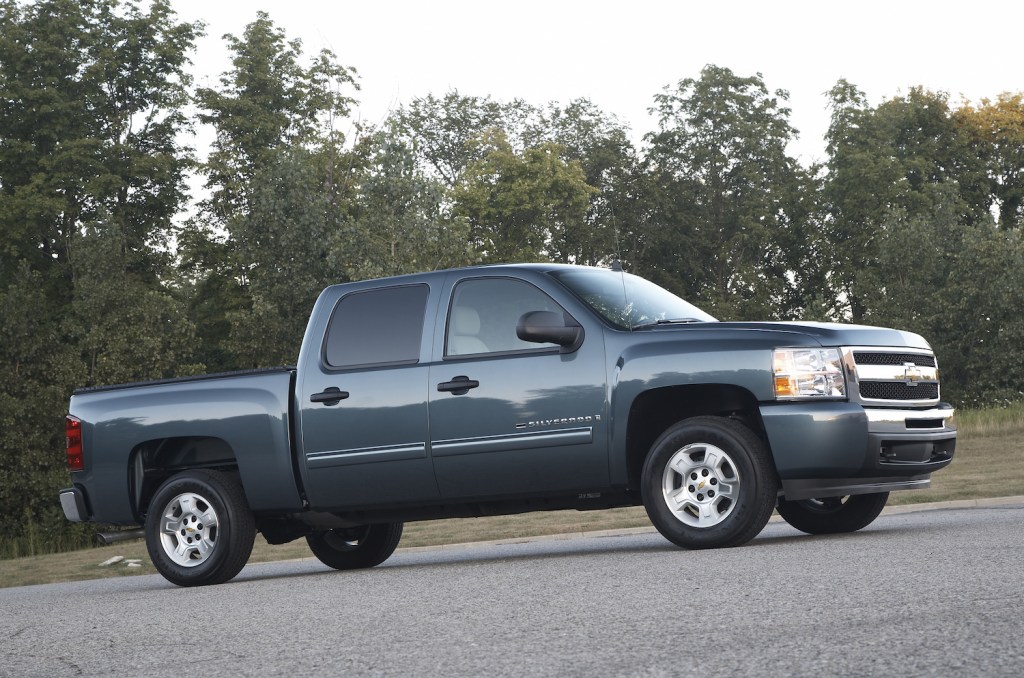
(376, 327)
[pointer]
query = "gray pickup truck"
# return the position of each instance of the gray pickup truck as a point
(507, 389)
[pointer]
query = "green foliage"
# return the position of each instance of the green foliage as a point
(908, 194)
(267, 100)
(600, 144)
(995, 130)
(38, 368)
(126, 328)
(212, 293)
(399, 224)
(90, 113)
(279, 185)
(979, 336)
(453, 139)
(280, 246)
(726, 195)
(444, 132)
(91, 176)
(905, 156)
(523, 207)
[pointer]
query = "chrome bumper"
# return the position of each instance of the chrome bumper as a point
(73, 503)
(936, 420)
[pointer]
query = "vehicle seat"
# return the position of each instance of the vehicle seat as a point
(462, 337)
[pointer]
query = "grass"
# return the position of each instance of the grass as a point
(992, 421)
(989, 462)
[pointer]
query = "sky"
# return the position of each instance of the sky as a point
(620, 54)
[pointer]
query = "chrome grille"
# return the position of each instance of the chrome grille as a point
(883, 390)
(866, 358)
(893, 376)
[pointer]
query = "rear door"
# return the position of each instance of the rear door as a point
(363, 402)
(509, 417)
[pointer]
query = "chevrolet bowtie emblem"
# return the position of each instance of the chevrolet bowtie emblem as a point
(911, 374)
(702, 484)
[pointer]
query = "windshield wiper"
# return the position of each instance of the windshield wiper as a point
(668, 321)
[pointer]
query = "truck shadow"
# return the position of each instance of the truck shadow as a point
(646, 544)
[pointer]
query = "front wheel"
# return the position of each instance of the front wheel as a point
(709, 482)
(834, 514)
(199, 529)
(356, 547)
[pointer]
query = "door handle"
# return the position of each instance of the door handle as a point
(330, 396)
(458, 386)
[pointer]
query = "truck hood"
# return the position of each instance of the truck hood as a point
(827, 334)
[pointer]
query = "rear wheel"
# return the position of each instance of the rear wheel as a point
(834, 514)
(199, 529)
(709, 482)
(356, 547)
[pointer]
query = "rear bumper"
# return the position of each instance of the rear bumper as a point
(72, 500)
(836, 448)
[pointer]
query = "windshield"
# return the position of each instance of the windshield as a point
(627, 301)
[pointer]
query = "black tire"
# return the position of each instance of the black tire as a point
(730, 489)
(357, 547)
(833, 515)
(199, 529)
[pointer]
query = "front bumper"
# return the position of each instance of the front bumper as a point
(833, 449)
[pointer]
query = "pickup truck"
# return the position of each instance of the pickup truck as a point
(507, 389)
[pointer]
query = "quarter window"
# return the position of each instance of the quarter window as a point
(377, 327)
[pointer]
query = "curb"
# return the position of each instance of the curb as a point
(956, 504)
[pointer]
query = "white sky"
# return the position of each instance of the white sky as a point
(620, 54)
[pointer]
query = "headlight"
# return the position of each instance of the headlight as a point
(808, 373)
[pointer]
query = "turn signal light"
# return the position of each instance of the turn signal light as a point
(73, 434)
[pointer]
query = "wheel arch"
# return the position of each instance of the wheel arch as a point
(654, 411)
(152, 462)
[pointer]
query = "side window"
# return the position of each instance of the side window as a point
(377, 326)
(484, 314)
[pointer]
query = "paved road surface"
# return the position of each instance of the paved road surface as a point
(915, 594)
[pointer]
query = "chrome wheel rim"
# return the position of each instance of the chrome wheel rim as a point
(188, 530)
(700, 485)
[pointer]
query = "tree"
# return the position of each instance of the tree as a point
(522, 207)
(268, 100)
(600, 144)
(909, 191)
(91, 98)
(996, 133)
(280, 182)
(980, 328)
(399, 223)
(888, 166)
(443, 131)
(126, 328)
(280, 245)
(38, 369)
(91, 177)
(727, 226)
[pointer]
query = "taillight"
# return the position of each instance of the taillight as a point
(73, 431)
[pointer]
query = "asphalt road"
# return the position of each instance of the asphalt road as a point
(927, 593)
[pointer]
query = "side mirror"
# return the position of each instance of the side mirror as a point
(547, 327)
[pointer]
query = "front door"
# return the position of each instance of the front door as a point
(511, 417)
